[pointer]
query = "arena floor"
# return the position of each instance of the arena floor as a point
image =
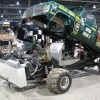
(85, 86)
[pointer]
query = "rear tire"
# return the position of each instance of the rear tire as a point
(59, 80)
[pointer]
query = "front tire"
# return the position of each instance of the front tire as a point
(59, 80)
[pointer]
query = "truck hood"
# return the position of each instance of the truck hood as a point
(38, 9)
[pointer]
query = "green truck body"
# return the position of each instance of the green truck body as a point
(79, 23)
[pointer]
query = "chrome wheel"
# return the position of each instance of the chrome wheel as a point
(64, 82)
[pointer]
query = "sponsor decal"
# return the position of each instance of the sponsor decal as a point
(88, 30)
(93, 29)
(63, 8)
(75, 32)
(86, 35)
(82, 22)
(76, 29)
(78, 19)
(52, 13)
(98, 44)
(71, 13)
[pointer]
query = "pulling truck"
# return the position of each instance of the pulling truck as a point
(76, 45)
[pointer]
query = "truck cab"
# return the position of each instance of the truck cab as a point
(75, 22)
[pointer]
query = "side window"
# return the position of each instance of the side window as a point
(89, 17)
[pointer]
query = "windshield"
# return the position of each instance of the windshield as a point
(89, 17)
(76, 10)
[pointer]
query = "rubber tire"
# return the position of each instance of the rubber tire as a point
(54, 78)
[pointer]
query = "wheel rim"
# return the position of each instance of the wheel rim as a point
(64, 82)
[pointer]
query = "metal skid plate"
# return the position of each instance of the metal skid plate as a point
(15, 75)
(56, 50)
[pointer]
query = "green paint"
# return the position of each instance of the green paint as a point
(82, 24)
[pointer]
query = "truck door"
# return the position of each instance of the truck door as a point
(89, 29)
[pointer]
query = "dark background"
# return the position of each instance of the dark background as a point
(10, 11)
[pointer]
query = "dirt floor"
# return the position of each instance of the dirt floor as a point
(85, 86)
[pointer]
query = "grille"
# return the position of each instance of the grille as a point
(35, 10)
(38, 9)
(29, 12)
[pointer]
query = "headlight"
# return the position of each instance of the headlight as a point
(54, 7)
(24, 15)
(46, 9)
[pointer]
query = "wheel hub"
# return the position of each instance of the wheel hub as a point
(64, 82)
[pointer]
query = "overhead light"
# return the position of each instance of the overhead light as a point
(94, 6)
(17, 3)
(1, 16)
(40, 3)
(20, 11)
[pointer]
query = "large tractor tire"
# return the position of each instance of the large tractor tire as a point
(59, 80)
